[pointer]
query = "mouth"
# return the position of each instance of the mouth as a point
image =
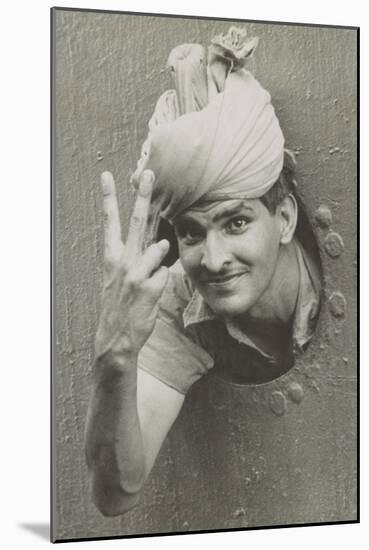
(225, 282)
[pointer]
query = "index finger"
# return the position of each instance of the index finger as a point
(138, 222)
(112, 230)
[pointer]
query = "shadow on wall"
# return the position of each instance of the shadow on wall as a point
(42, 530)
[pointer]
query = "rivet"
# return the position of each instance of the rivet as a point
(278, 403)
(323, 216)
(334, 244)
(99, 155)
(295, 392)
(337, 304)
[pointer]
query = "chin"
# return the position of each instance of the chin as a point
(229, 307)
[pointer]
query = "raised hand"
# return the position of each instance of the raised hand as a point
(133, 279)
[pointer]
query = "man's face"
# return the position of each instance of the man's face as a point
(230, 250)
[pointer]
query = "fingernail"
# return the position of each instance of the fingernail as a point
(107, 183)
(146, 183)
(164, 244)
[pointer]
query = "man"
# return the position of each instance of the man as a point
(243, 296)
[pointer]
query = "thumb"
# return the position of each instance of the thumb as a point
(158, 280)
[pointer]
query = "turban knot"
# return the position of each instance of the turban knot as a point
(216, 135)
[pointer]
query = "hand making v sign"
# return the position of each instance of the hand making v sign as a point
(133, 279)
(130, 412)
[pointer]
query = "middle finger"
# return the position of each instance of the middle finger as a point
(138, 221)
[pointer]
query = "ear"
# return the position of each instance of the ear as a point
(288, 212)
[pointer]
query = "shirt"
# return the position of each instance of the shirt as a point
(189, 340)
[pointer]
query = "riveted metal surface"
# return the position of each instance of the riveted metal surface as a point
(323, 216)
(295, 392)
(334, 245)
(337, 304)
(278, 403)
(279, 453)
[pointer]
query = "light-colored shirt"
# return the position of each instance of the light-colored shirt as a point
(189, 340)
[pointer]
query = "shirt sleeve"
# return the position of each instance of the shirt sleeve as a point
(170, 354)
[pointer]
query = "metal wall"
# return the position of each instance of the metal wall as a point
(280, 453)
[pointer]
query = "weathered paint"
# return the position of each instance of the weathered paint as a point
(230, 460)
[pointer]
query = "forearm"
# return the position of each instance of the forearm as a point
(113, 440)
(133, 283)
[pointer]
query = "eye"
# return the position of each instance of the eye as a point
(189, 234)
(191, 237)
(237, 225)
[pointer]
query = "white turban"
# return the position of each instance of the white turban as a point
(216, 136)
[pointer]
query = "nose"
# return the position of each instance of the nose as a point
(215, 253)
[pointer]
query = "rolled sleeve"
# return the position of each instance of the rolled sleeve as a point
(172, 354)
(172, 357)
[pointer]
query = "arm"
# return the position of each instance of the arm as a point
(129, 416)
(130, 412)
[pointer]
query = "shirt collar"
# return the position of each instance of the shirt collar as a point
(307, 307)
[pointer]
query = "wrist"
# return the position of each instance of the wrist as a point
(114, 349)
(117, 362)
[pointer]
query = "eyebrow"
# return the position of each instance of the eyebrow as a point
(235, 209)
(183, 223)
(187, 217)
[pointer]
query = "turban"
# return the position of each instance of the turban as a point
(216, 136)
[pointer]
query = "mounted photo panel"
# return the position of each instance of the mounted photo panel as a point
(204, 197)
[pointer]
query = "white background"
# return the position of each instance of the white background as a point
(25, 278)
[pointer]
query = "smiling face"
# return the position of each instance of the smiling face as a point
(230, 250)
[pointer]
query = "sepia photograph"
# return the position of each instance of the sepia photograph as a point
(204, 217)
